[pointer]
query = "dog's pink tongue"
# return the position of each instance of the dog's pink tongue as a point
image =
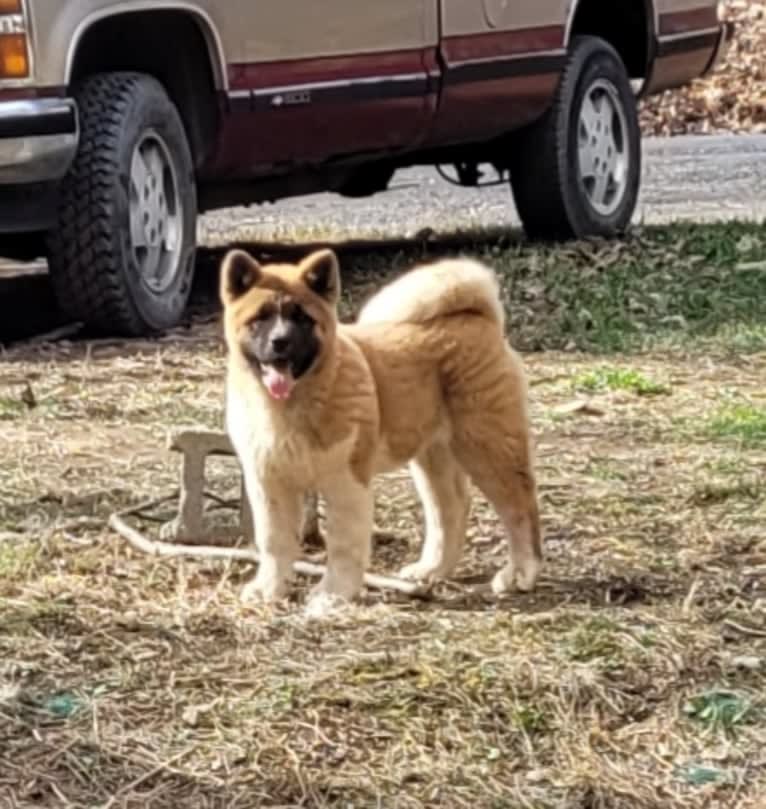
(278, 383)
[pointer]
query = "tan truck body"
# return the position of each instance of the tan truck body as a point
(262, 31)
(284, 97)
(412, 68)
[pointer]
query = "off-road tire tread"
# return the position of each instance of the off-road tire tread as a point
(86, 270)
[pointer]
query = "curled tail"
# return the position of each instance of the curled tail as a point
(447, 287)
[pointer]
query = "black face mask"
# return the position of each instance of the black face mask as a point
(282, 336)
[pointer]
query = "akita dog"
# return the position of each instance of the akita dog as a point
(425, 377)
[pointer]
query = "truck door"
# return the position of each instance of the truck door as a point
(312, 81)
(502, 61)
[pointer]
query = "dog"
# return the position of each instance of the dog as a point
(425, 377)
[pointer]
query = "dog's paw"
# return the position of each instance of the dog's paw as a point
(346, 587)
(516, 576)
(421, 570)
(263, 590)
(321, 605)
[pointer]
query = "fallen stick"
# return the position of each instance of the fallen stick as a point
(753, 631)
(169, 549)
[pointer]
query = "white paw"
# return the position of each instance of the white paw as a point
(322, 605)
(264, 590)
(520, 577)
(345, 585)
(421, 571)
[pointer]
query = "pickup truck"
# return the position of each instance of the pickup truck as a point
(122, 120)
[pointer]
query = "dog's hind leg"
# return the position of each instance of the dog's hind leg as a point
(349, 513)
(502, 471)
(443, 489)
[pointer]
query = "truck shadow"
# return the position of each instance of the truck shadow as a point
(605, 297)
(30, 313)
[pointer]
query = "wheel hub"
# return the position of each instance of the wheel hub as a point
(156, 219)
(602, 147)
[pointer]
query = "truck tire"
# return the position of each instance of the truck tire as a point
(122, 254)
(576, 171)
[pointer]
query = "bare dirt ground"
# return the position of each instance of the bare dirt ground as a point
(633, 677)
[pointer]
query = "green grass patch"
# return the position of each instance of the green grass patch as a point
(11, 408)
(607, 469)
(530, 719)
(719, 710)
(595, 639)
(682, 286)
(745, 423)
(17, 558)
(624, 379)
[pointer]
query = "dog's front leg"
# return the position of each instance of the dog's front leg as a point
(349, 509)
(277, 516)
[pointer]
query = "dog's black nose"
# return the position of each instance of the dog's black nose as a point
(279, 345)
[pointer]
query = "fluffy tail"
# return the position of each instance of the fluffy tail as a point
(448, 287)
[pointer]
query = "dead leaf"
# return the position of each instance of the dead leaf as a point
(732, 99)
(28, 396)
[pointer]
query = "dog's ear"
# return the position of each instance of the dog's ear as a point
(240, 272)
(320, 272)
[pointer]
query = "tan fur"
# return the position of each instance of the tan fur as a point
(450, 287)
(426, 378)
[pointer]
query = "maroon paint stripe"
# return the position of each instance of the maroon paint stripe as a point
(682, 22)
(244, 76)
(503, 43)
(247, 76)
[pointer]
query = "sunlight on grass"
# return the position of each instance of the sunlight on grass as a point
(595, 639)
(624, 379)
(680, 286)
(745, 423)
(11, 408)
(571, 695)
(16, 558)
(606, 469)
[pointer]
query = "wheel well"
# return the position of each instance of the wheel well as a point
(169, 45)
(627, 26)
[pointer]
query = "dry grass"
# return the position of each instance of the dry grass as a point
(633, 677)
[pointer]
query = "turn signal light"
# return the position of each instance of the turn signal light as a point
(14, 52)
(14, 59)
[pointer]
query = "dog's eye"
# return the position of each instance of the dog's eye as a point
(300, 316)
(264, 313)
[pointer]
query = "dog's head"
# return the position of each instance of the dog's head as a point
(281, 318)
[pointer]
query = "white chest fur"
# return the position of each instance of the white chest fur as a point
(270, 440)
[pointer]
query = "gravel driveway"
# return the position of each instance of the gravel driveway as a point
(685, 177)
